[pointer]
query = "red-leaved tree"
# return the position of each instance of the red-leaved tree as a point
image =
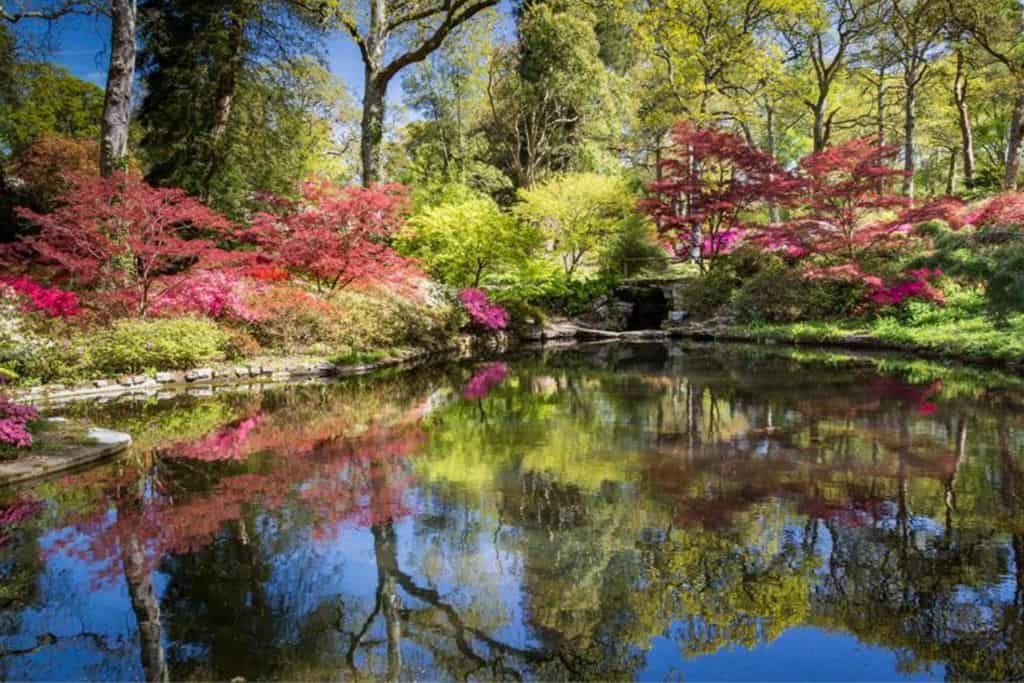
(709, 183)
(122, 239)
(846, 190)
(337, 236)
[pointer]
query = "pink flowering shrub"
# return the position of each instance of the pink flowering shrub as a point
(485, 381)
(210, 293)
(14, 419)
(52, 301)
(481, 311)
(915, 284)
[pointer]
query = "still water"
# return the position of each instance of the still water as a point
(608, 512)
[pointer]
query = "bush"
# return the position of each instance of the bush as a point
(707, 295)
(239, 344)
(634, 250)
(291, 319)
(372, 321)
(141, 345)
(783, 295)
(33, 347)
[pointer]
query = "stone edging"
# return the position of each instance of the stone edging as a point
(205, 381)
(104, 444)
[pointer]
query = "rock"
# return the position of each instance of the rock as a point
(242, 371)
(101, 384)
(677, 317)
(199, 375)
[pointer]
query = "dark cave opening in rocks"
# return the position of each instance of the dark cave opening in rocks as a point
(650, 309)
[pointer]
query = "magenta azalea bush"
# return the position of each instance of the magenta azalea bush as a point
(14, 419)
(481, 311)
(52, 301)
(915, 284)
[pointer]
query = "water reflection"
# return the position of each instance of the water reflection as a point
(610, 512)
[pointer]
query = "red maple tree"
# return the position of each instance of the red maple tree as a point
(337, 236)
(709, 184)
(846, 190)
(120, 238)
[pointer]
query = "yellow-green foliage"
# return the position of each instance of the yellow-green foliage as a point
(373, 320)
(462, 242)
(580, 213)
(140, 345)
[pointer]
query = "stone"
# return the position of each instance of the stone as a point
(199, 375)
(280, 376)
(677, 317)
(242, 371)
(101, 384)
(165, 377)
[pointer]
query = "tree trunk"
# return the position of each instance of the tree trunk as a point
(1013, 145)
(374, 90)
(909, 129)
(963, 120)
(118, 98)
(951, 173)
(226, 88)
(773, 208)
(818, 129)
(372, 129)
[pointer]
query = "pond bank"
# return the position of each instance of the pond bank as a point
(262, 372)
(949, 348)
(68, 452)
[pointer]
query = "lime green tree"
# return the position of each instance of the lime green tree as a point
(462, 242)
(580, 214)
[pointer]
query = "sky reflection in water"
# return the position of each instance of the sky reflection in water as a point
(611, 512)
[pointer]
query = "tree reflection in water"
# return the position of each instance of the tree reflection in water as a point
(545, 518)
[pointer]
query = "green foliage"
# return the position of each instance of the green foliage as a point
(634, 250)
(144, 345)
(582, 214)
(463, 242)
(46, 99)
(368, 322)
(779, 294)
(991, 257)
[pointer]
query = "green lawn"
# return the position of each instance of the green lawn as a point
(960, 329)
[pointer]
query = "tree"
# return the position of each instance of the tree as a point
(709, 183)
(420, 27)
(917, 29)
(825, 39)
(463, 241)
(121, 239)
(580, 213)
(44, 99)
(337, 236)
(845, 188)
(253, 89)
(998, 27)
(117, 102)
(449, 90)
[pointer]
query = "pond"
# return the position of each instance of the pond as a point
(603, 512)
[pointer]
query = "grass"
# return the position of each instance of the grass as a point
(963, 328)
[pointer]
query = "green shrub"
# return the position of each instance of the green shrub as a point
(376, 321)
(141, 345)
(239, 344)
(779, 294)
(634, 250)
(707, 295)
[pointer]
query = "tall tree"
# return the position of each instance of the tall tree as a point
(825, 39)
(117, 102)
(917, 28)
(417, 28)
(998, 27)
(201, 62)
